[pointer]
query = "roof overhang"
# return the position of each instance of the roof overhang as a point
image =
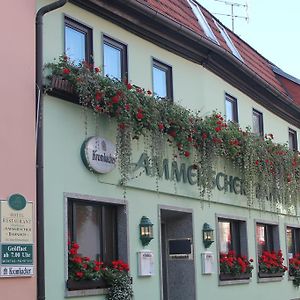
(149, 24)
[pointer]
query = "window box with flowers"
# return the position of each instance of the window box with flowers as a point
(294, 269)
(270, 264)
(84, 273)
(234, 267)
(201, 139)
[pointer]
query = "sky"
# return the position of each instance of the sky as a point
(273, 28)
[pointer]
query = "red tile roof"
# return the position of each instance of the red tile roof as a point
(181, 12)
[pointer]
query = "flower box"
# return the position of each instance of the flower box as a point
(270, 275)
(73, 285)
(61, 84)
(235, 276)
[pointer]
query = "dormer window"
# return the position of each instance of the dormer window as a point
(202, 21)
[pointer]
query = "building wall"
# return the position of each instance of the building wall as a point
(17, 118)
(65, 131)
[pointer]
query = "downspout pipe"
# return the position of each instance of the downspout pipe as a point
(40, 147)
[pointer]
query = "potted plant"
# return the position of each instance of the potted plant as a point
(294, 269)
(271, 264)
(84, 273)
(234, 267)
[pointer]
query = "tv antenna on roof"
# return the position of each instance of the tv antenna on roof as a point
(232, 15)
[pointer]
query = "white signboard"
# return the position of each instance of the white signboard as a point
(16, 271)
(16, 225)
(98, 155)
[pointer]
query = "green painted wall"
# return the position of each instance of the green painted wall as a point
(65, 130)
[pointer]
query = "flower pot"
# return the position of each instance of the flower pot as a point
(61, 84)
(73, 285)
(270, 275)
(235, 276)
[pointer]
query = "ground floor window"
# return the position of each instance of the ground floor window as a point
(293, 241)
(234, 262)
(97, 236)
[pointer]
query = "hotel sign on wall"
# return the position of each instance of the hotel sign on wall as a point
(16, 237)
(98, 155)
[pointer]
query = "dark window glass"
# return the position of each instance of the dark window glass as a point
(231, 109)
(162, 80)
(267, 238)
(293, 241)
(78, 41)
(293, 143)
(114, 59)
(258, 125)
(232, 236)
(93, 226)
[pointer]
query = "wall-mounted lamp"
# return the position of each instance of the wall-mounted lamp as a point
(208, 235)
(146, 231)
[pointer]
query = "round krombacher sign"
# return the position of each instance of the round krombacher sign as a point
(17, 201)
(98, 155)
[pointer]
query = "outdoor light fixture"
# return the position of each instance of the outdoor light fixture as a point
(208, 235)
(146, 231)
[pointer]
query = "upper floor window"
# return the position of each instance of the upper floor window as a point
(258, 125)
(293, 143)
(162, 80)
(231, 109)
(78, 41)
(267, 238)
(293, 241)
(114, 58)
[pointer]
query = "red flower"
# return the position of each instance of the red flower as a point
(115, 99)
(66, 71)
(127, 107)
(139, 116)
(190, 139)
(172, 133)
(98, 108)
(204, 136)
(129, 86)
(217, 129)
(186, 153)
(149, 92)
(79, 274)
(98, 96)
(122, 126)
(161, 126)
(97, 70)
(75, 246)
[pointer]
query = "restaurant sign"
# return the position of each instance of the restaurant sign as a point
(98, 155)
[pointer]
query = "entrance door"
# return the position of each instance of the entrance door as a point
(178, 268)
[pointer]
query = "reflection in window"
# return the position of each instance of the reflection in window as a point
(267, 238)
(225, 237)
(162, 80)
(257, 118)
(231, 109)
(293, 143)
(78, 41)
(115, 59)
(75, 44)
(293, 241)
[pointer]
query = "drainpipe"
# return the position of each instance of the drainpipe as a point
(39, 146)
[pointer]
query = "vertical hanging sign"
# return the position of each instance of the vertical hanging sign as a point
(16, 237)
